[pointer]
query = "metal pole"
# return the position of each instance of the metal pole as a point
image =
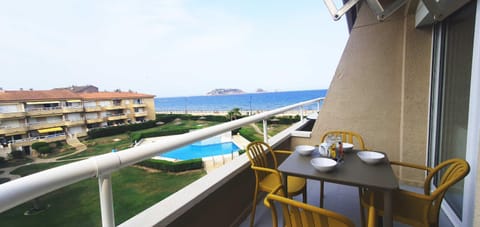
(265, 131)
(318, 106)
(106, 200)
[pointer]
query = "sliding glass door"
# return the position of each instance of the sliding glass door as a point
(452, 64)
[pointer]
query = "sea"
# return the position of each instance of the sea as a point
(247, 102)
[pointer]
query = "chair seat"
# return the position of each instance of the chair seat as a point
(403, 209)
(271, 181)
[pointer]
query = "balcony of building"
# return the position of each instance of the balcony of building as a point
(137, 105)
(94, 120)
(44, 111)
(74, 122)
(13, 130)
(73, 109)
(116, 116)
(12, 115)
(93, 108)
(58, 136)
(43, 125)
(140, 114)
(115, 107)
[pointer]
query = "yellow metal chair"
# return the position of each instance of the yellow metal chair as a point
(348, 137)
(298, 214)
(267, 177)
(420, 209)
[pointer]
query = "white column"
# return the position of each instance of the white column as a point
(106, 200)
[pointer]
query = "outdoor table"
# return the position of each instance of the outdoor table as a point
(352, 171)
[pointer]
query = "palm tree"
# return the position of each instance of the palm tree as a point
(234, 114)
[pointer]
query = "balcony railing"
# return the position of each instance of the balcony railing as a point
(12, 115)
(40, 125)
(115, 107)
(93, 108)
(140, 114)
(72, 109)
(44, 111)
(47, 138)
(94, 120)
(102, 166)
(74, 122)
(114, 117)
(13, 130)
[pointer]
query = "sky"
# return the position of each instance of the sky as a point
(169, 47)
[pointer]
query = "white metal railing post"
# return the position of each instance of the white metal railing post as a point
(318, 106)
(302, 112)
(106, 200)
(265, 131)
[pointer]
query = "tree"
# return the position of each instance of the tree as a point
(234, 114)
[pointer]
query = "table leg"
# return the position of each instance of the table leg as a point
(387, 207)
(285, 182)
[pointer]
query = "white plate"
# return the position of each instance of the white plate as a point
(304, 149)
(323, 164)
(347, 146)
(370, 157)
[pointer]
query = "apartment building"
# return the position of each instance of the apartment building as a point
(27, 116)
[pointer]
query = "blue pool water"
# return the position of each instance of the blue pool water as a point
(198, 150)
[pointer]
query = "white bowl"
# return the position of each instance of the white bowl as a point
(323, 164)
(370, 157)
(305, 149)
(347, 146)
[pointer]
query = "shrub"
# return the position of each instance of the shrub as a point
(2, 161)
(37, 145)
(137, 136)
(17, 154)
(173, 166)
(44, 150)
(115, 130)
(249, 135)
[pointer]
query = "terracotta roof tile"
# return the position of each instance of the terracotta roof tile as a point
(114, 95)
(45, 95)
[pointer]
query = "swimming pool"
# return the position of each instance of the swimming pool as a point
(199, 150)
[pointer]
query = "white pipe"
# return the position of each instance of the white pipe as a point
(24, 189)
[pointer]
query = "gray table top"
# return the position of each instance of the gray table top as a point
(353, 171)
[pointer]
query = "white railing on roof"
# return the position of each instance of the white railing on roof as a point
(24, 189)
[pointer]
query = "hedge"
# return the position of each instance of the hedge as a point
(37, 145)
(136, 136)
(173, 166)
(166, 118)
(115, 130)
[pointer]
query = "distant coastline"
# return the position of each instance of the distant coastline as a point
(247, 102)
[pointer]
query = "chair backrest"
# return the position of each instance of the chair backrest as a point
(347, 136)
(451, 171)
(296, 213)
(257, 154)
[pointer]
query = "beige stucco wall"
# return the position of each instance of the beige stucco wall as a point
(381, 88)
(150, 108)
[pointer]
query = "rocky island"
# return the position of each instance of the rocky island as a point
(225, 91)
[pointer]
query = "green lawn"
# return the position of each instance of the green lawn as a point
(29, 169)
(78, 205)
